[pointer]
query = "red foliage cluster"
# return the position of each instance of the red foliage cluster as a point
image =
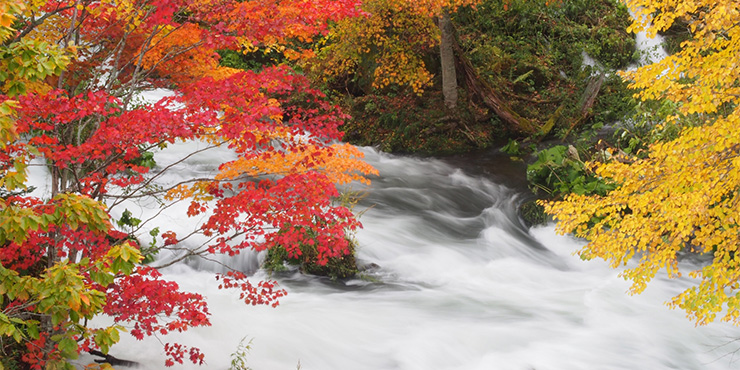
(264, 293)
(144, 299)
(177, 353)
(109, 141)
(35, 358)
(94, 140)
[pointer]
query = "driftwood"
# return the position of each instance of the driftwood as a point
(481, 89)
(113, 361)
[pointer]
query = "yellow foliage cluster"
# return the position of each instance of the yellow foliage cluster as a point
(403, 70)
(37, 55)
(7, 17)
(389, 43)
(433, 8)
(685, 196)
(703, 75)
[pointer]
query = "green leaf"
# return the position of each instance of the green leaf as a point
(17, 335)
(68, 347)
(57, 317)
(33, 330)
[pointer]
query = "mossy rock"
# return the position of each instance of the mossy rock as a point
(336, 268)
(342, 267)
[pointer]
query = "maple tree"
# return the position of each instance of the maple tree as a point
(72, 72)
(682, 197)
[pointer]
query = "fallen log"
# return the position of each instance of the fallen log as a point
(481, 89)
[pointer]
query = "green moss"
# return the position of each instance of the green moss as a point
(532, 53)
(255, 60)
(342, 267)
(532, 213)
(412, 124)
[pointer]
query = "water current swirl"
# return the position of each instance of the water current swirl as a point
(460, 284)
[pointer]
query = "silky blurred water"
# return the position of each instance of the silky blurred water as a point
(460, 284)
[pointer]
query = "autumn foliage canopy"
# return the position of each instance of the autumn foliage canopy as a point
(682, 198)
(71, 76)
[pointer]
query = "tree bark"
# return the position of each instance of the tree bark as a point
(588, 98)
(447, 57)
(589, 95)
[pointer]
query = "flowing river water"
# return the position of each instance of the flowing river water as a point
(461, 284)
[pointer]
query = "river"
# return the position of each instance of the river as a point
(461, 284)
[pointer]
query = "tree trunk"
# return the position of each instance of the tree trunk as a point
(447, 57)
(589, 95)
(588, 98)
